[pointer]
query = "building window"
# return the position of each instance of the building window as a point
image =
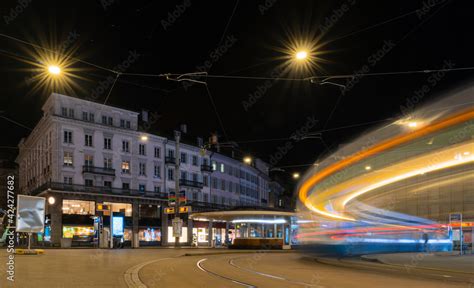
(141, 187)
(104, 120)
(214, 182)
(68, 180)
(108, 143)
(184, 159)
(107, 163)
(195, 177)
(184, 175)
(71, 113)
(122, 123)
(110, 121)
(222, 168)
(127, 124)
(223, 185)
(126, 167)
(68, 137)
(91, 117)
(170, 174)
(108, 184)
(206, 198)
(88, 160)
(64, 111)
(157, 189)
(88, 140)
(195, 160)
(205, 180)
(141, 149)
(142, 169)
(85, 116)
(68, 159)
(125, 146)
(126, 186)
(157, 152)
(214, 166)
(170, 153)
(230, 186)
(157, 171)
(89, 182)
(195, 196)
(214, 199)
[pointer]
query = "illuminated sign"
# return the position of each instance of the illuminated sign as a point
(103, 207)
(169, 210)
(184, 209)
(117, 225)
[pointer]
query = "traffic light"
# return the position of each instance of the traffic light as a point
(171, 198)
(182, 197)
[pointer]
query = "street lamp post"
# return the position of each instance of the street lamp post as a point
(177, 136)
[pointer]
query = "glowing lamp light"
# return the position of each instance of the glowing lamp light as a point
(51, 200)
(301, 55)
(247, 160)
(412, 124)
(368, 167)
(296, 175)
(144, 138)
(53, 69)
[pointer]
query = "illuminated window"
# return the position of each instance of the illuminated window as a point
(78, 207)
(126, 167)
(120, 207)
(68, 159)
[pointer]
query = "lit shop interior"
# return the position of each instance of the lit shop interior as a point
(242, 229)
(81, 222)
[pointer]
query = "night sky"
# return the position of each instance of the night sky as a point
(250, 38)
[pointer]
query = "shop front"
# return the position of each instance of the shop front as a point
(249, 229)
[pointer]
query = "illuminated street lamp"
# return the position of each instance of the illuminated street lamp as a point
(368, 167)
(248, 160)
(296, 175)
(301, 55)
(144, 138)
(51, 200)
(53, 69)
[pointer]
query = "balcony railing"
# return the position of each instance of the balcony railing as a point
(98, 170)
(190, 183)
(206, 168)
(170, 160)
(97, 190)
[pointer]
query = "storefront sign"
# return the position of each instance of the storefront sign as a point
(169, 210)
(103, 207)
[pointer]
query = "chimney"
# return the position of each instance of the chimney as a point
(144, 116)
(184, 128)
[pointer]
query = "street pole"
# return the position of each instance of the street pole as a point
(177, 136)
(111, 227)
